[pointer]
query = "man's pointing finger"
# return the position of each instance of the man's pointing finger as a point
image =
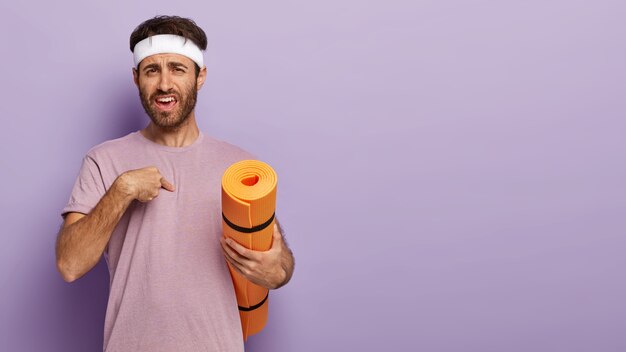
(167, 185)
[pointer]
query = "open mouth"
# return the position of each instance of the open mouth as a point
(166, 102)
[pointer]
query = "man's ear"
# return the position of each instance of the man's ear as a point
(136, 77)
(201, 77)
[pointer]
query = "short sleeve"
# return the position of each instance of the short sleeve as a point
(88, 188)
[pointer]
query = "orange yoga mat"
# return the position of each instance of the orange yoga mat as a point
(248, 207)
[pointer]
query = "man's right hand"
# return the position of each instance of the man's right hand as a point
(143, 184)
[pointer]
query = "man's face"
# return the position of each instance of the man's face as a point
(168, 88)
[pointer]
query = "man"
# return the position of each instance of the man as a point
(150, 203)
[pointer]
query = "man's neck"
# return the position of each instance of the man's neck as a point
(184, 135)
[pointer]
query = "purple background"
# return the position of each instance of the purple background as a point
(451, 172)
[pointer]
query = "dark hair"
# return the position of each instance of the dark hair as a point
(183, 27)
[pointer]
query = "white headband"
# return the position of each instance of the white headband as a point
(167, 44)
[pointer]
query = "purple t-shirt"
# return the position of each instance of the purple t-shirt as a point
(170, 288)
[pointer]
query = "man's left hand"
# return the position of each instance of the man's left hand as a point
(270, 269)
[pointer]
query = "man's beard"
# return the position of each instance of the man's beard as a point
(170, 120)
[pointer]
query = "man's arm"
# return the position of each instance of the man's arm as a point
(270, 269)
(83, 238)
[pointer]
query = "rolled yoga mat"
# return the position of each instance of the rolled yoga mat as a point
(248, 207)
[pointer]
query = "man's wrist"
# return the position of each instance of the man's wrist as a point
(283, 278)
(121, 189)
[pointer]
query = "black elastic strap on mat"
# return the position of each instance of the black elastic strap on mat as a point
(247, 229)
(244, 309)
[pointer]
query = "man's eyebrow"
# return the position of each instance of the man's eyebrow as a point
(177, 64)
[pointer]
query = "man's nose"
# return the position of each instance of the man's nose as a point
(165, 81)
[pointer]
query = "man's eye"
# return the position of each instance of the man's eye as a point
(180, 70)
